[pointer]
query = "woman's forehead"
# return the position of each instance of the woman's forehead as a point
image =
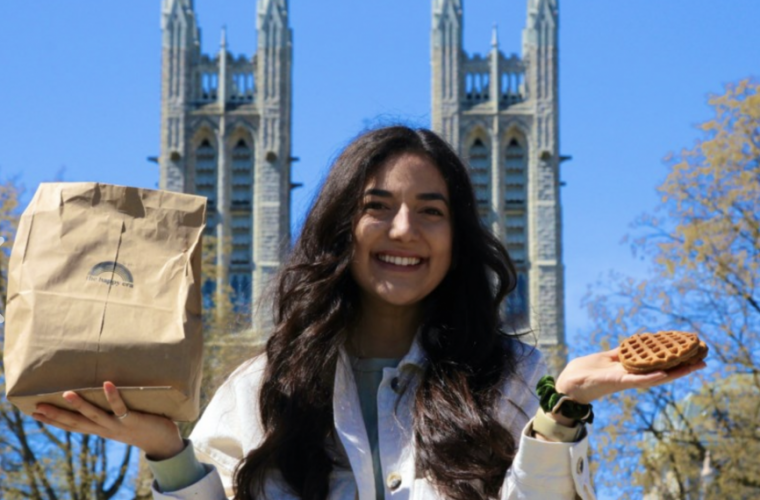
(407, 172)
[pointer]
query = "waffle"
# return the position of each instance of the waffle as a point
(648, 352)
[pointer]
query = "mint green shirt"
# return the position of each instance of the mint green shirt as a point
(368, 374)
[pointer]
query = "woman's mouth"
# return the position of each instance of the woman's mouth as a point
(398, 261)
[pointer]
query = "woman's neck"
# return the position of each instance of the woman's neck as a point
(384, 330)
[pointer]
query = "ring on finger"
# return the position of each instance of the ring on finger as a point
(122, 417)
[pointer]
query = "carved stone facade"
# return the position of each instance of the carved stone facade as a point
(226, 134)
(501, 114)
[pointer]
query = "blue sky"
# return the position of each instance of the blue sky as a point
(80, 81)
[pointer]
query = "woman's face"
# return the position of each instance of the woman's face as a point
(403, 235)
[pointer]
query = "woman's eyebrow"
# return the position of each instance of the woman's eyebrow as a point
(432, 197)
(378, 192)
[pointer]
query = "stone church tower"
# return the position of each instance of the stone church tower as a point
(500, 113)
(225, 134)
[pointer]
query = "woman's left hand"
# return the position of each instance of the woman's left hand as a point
(591, 377)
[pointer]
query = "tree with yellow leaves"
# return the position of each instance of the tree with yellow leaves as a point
(699, 438)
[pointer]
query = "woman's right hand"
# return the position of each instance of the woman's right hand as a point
(157, 436)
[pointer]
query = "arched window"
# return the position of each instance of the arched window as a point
(241, 217)
(514, 175)
(242, 232)
(517, 304)
(205, 173)
(515, 194)
(242, 175)
(480, 173)
(241, 290)
(515, 233)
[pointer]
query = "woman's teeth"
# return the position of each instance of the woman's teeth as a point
(399, 261)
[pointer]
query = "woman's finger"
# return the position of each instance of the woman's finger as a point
(41, 417)
(68, 420)
(113, 397)
(684, 370)
(155, 435)
(91, 412)
(661, 377)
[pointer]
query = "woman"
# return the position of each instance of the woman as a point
(387, 375)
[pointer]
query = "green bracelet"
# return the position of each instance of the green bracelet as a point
(556, 402)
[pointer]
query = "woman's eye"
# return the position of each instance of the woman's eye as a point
(433, 211)
(373, 205)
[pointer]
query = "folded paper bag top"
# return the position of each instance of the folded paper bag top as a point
(104, 284)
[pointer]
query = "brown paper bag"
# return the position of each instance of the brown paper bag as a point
(104, 284)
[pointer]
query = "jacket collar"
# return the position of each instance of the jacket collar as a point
(415, 357)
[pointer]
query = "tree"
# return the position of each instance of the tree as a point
(699, 438)
(42, 463)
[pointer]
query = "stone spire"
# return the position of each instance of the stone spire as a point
(180, 50)
(541, 24)
(272, 11)
(273, 161)
(541, 57)
(540, 52)
(223, 89)
(179, 15)
(447, 77)
(447, 24)
(223, 175)
(447, 7)
(274, 45)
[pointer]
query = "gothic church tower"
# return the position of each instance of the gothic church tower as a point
(225, 134)
(501, 114)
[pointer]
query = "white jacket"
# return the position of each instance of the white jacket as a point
(231, 427)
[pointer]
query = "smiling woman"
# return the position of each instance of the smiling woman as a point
(373, 268)
(402, 238)
(387, 374)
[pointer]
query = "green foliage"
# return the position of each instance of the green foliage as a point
(699, 438)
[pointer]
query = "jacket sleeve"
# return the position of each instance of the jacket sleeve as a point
(208, 488)
(228, 429)
(540, 469)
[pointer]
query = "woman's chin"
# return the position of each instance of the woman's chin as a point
(398, 298)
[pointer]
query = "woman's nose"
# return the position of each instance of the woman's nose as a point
(402, 225)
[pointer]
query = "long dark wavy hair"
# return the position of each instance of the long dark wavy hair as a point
(461, 447)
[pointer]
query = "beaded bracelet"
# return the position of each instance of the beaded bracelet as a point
(555, 402)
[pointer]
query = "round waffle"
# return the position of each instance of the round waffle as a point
(648, 352)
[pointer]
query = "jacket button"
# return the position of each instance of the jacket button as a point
(393, 481)
(580, 466)
(394, 384)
